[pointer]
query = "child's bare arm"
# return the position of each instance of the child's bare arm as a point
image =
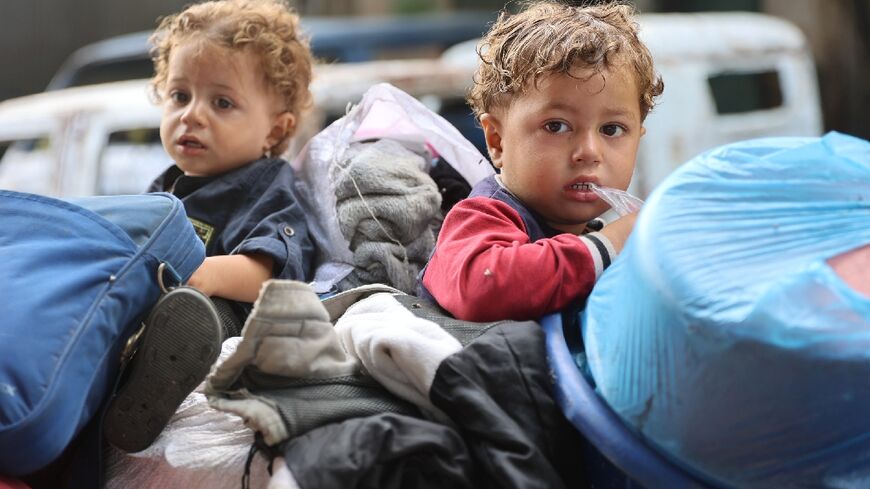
(235, 277)
(617, 231)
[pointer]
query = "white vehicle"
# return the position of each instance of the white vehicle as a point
(90, 140)
(729, 76)
(104, 139)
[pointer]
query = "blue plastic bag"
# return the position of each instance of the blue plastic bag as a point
(722, 335)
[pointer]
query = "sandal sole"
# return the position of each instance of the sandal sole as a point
(181, 341)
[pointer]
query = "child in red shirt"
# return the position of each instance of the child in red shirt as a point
(561, 94)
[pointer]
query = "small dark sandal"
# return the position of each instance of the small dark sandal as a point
(180, 342)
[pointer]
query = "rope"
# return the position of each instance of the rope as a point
(344, 166)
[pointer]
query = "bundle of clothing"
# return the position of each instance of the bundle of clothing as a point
(374, 185)
(746, 360)
(370, 388)
(389, 210)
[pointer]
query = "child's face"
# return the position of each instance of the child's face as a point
(564, 133)
(218, 114)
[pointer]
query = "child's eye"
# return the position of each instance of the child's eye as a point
(612, 130)
(223, 103)
(556, 127)
(179, 97)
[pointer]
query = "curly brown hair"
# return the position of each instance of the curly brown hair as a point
(549, 38)
(269, 27)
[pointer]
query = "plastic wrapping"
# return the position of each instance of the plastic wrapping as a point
(723, 335)
(620, 201)
(200, 448)
(384, 112)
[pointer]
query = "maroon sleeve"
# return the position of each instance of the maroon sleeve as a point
(485, 268)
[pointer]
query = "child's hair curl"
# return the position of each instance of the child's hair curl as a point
(553, 38)
(269, 27)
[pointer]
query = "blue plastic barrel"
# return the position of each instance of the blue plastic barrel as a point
(615, 457)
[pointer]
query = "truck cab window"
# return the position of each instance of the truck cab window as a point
(736, 93)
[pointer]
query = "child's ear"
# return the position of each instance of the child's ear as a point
(283, 126)
(492, 134)
(642, 131)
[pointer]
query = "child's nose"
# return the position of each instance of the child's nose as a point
(588, 148)
(192, 114)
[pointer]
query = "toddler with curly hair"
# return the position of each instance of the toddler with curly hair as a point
(561, 94)
(232, 78)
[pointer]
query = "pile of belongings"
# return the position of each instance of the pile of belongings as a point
(733, 332)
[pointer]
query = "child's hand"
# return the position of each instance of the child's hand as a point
(205, 278)
(617, 231)
(235, 277)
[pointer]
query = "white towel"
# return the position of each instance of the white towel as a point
(397, 348)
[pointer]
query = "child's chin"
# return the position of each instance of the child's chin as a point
(194, 170)
(190, 171)
(595, 212)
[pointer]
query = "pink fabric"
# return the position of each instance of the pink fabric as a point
(485, 267)
(854, 268)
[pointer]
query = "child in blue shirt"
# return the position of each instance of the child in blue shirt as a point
(232, 78)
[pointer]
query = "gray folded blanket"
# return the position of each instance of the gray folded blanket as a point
(380, 262)
(388, 207)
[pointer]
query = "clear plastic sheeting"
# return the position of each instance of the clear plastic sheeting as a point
(621, 202)
(200, 448)
(723, 336)
(385, 112)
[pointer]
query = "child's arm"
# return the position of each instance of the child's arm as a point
(617, 231)
(235, 277)
(486, 268)
(267, 238)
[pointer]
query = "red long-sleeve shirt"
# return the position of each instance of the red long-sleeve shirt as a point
(486, 267)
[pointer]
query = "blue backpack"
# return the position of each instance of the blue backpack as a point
(76, 279)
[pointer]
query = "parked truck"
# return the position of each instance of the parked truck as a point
(729, 76)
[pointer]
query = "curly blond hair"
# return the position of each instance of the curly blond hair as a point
(269, 27)
(552, 38)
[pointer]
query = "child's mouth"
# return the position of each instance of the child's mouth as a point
(190, 142)
(583, 187)
(582, 192)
